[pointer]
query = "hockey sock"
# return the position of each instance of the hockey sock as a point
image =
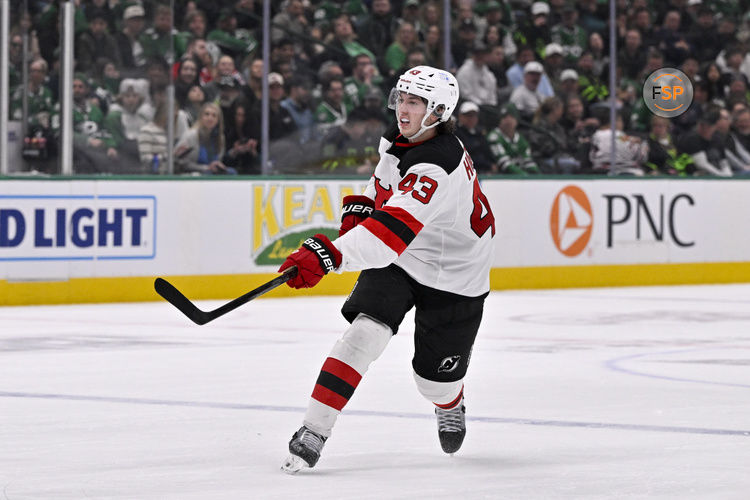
(445, 395)
(348, 361)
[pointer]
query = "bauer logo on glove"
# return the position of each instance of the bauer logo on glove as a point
(314, 259)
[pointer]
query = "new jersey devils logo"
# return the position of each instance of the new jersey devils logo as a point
(449, 364)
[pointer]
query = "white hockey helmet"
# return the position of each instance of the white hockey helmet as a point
(438, 87)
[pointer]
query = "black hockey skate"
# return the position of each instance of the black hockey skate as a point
(451, 427)
(304, 450)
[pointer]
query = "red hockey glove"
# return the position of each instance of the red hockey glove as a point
(354, 210)
(314, 259)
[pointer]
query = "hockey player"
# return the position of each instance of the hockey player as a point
(422, 235)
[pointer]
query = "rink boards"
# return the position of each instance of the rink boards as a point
(67, 241)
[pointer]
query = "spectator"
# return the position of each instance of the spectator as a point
(196, 98)
(128, 41)
(464, 42)
(93, 148)
(671, 41)
(15, 56)
(283, 55)
(225, 70)
(600, 59)
(242, 154)
(376, 29)
(548, 140)
(433, 47)
(494, 17)
(231, 40)
(553, 61)
(568, 83)
(298, 104)
(332, 111)
(198, 49)
(496, 63)
(711, 74)
(187, 77)
(737, 156)
(41, 106)
(571, 37)
(741, 132)
(254, 89)
(290, 21)
(704, 36)
(344, 45)
(156, 40)
(124, 121)
(593, 89)
(536, 32)
(364, 77)
(632, 57)
(631, 152)
(201, 147)
(95, 42)
(395, 55)
(228, 92)
(708, 159)
(526, 98)
(280, 122)
(152, 143)
(477, 82)
(510, 149)
(515, 72)
(662, 152)
(474, 138)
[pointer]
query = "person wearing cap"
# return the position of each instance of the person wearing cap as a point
(510, 150)
(568, 82)
(473, 137)
(280, 121)
(569, 35)
(514, 74)
(535, 31)
(553, 60)
(128, 40)
(526, 98)
(124, 120)
(478, 83)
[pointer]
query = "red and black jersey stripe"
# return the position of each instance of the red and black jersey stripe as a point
(394, 226)
(336, 383)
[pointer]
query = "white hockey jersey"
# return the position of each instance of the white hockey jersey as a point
(431, 218)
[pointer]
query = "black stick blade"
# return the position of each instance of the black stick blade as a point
(177, 299)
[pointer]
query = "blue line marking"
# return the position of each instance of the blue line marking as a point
(612, 364)
(382, 414)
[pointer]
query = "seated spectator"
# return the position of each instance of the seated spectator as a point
(343, 46)
(741, 131)
(376, 29)
(196, 98)
(242, 152)
(201, 147)
(290, 21)
(280, 122)
(95, 42)
(632, 56)
(298, 104)
(671, 41)
(526, 98)
(474, 138)
(631, 152)
(464, 41)
(187, 77)
(231, 40)
(476, 81)
(364, 77)
(663, 157)
(593, 88)
(510, 150)
(515, 73)
(395, 55)
(738, 157)
(553, 61)
(152, 142)
(569, 83)
(157, 39)
(571, 37)
(128, 41)
(708, 159)
(346, 149)
(332, 111)
(225, 70)
(41, 106)
(124, 121)
(549, 142)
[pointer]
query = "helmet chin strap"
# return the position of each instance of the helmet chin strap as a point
(424, 128)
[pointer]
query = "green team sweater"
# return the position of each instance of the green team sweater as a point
(512, 155)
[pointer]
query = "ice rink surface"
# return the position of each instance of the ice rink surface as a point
(596, 393)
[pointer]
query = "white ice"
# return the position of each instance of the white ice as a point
(600, 393)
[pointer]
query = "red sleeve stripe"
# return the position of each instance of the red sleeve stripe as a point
(396, 231)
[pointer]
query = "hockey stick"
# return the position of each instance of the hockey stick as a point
(186, 307)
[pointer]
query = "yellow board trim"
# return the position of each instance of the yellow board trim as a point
(228, 286)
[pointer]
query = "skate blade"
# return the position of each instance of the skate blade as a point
(293, 464)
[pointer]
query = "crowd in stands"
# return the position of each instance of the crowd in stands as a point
(534, 80)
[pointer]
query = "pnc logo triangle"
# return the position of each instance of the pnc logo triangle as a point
(571, 221)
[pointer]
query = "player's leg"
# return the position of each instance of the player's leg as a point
(446, 326)
(375, 307)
